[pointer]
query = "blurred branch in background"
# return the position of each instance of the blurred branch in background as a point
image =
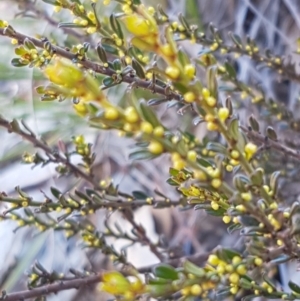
(206, 120)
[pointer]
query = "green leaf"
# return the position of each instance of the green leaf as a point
(53, 2)
(184, 22)
(115, 25)
(155, 101)
(28, 44)
(281, 259)
(223, 293)
(271, 134)
(165, 271)
(158, 290)
(294, 287)
(228, 254)
(230, 70)
(172, 182)
(183, 58)
(212, 83)
(202, 206)
(217, 147)
(101, 53)
(17, 63)
(149, 115)
(269, 281)
(139, 195)
(219, 212)
(234, 227)
(236, 39)
(110, 49)
(141, 155)
(55, 192)
(159, 281)
(20, 50)
(233, 128)
(117, 65)
(138, 69)
(173, 172)
(108, 81)
(254, 123)
(70, 25)
(274, 181)
(193, 269)
(204, 162)
(40, 90)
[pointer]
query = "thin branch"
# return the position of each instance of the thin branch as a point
(198, 259)
(51, 288)
(55, 156)
(119, 204)
(144, 84)
(255, 136)
(29, 6)
(141, 233)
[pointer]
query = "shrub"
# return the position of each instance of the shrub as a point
(236, 172)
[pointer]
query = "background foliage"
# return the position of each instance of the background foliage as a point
(243, 182)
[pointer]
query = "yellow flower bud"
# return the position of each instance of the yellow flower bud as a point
(246, 196)
(155, 148)
(226, 219)
(211, 126)
(189, 71)
(234, 154)
(111, 114)
(192, 155)
(211, 101)
(14, 41)
(185, 291)
(214, 205)
(241, 269)
(223, 114)
(91, 30)
(167, 50)
(250, 150)
(234, 290)
(159, 131)
(258, 261)
(139, 26)
(205, 93)
(213, 259)
(196, 290)
(189, 96)
(173, 72)
(216, 183)
(179, 164)
(146, 127)
(131, 115)
(234, 278)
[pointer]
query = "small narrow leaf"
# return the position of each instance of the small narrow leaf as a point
(165, 271)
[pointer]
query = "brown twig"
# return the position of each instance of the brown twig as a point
(255, 136)
(141, 233)
(51, 288)
(144, 84)
(54, 156)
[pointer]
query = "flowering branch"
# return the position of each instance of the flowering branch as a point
(269, 143)
(51, 288)
(13, 127)
(143, 84)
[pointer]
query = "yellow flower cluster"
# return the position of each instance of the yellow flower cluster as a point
(116, 284)
(232, 271)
